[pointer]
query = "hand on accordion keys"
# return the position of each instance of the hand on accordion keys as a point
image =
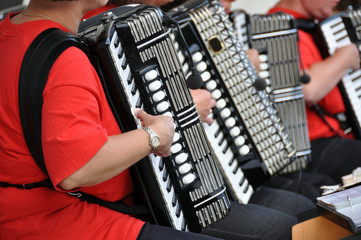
(162, 125)
(350, 54)
(204, 104)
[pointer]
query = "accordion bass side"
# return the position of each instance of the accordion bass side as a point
(335, 32)
(134, 56)
(247, 131)
(275, 35)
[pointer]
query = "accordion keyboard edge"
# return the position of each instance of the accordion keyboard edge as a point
(134, 49)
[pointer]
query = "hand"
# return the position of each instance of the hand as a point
(163, 126)
(253, 56)
(204, 104)
(350, 54)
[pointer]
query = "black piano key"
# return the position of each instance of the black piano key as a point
(124, 63)
(134, 89)
(184, 224)
(177, 211)
(169, 185)
(120, 53)
(165, 176)
(139, 103)
(242, 181)
(217, 132)
(161, 164)
(246, 188)
(130, 79)
(116, 42)
(220, 142)
(174, 200)
(225, 149)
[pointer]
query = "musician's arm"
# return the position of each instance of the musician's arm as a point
(120, 152)
(326, 74)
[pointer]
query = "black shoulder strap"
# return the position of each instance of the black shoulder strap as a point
(36, 65)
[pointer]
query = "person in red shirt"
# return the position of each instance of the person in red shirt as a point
(82, 143)
(334, 153)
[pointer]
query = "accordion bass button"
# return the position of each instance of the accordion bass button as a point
(216, 94)
(239, 141)
(176, 137)
(206, 76)
(189, 178)
(211, 85)
(181, 158)
(154, 86)
(230, 122)
(244, 150)
(197, 57)
(175, 148)
(152, 74)
(225, 113)
(221, 103)
(235, 131)
(263, 58)
(184, 168)
(158, 96)
(201, 67)
(161, 107)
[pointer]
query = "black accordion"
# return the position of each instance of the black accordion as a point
(275, 36)
(337, 31)
(247, 133)
(135, 57)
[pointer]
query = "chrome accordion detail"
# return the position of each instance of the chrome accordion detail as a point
(136, 60)
(247, 130)
(275, 35)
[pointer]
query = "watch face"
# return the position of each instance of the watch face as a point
(155, 142)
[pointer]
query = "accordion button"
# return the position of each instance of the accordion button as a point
(263, 66)
(158, 96)
(201, 67)
(235, 131)
(176, 137)
(244, 150)
(197, 57)
(211, 85)
(205, 76)
(221, 103)
(175, 148)
(263, 74)
(169, 114)
(189, 178)
(263, 58)
(181, 158)
(152, 74)
(163, 106)
(230, 122)
(184, 168)
(154, 86)
(216, 94)
(180, 57)
(225, 113)
(239, 141)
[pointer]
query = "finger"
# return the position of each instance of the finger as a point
(139, 113)
(208, 120)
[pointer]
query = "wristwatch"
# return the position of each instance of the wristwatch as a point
(154, 139)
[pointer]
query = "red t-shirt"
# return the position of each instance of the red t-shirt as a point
(76, 123)
(332, 102)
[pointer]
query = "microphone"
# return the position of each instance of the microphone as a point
(305, 78)
(194, 81)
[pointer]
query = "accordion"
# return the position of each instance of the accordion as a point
(275, 36)
(247, 132)
(335, 32)
(134, 55)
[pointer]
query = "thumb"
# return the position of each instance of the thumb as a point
(139, 113)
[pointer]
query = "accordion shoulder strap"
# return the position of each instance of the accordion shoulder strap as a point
(35, 68)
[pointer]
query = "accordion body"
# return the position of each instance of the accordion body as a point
(275, 36)
(247, 131)
(337, 31)
(134, 55)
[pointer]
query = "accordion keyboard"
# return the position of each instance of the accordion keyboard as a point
(189, 184)
(276, 34)
(247, 126)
